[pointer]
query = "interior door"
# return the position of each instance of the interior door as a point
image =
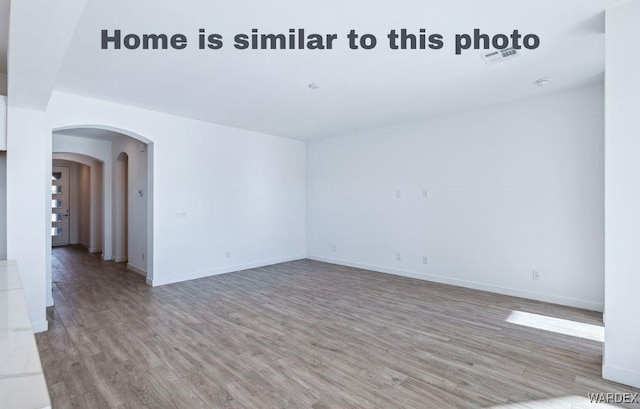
(60, 206)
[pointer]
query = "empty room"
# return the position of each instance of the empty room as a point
(367, 204)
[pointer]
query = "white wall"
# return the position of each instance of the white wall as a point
(511, 189)
(29, 205)
(622, 195)
(243, 192)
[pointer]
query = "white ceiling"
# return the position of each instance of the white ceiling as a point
(266, 90)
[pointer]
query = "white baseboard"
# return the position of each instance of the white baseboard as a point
(94, 250)
(624, 376)
(221, 270)
(120, 259)
(136, 269)
(40, 326)
(554, 299)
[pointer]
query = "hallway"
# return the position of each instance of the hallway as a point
(304, 334)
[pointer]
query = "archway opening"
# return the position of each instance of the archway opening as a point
(127, 191)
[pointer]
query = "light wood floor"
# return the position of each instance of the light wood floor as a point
(303, 335)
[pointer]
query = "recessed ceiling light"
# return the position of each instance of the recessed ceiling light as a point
(542, 82)
(313, 85)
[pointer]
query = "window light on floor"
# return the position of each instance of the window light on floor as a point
(557, 325)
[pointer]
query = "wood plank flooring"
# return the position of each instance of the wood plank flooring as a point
(304, 334)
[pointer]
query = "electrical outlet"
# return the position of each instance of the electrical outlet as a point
(398, 194)
(535, 275)
(333, 247)
(425, 194)
(425, 260)
(398, 257)
(228, 254)
(142, 256)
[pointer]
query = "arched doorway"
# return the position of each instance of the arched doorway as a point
(128, 160)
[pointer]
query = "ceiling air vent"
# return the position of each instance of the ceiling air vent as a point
(497, 56)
